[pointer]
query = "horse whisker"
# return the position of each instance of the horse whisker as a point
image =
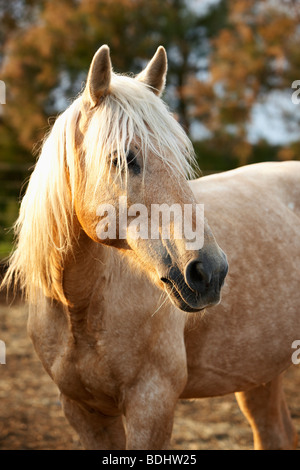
(167, 296)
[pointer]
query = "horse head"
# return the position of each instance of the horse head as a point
(134, 161)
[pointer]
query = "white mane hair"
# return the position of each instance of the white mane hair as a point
(44, 231)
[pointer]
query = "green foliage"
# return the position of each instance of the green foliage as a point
(217, 155)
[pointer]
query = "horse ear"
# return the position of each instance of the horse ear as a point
(99, 76)
(154, 75)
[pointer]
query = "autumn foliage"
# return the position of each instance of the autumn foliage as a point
(223, 60)
(227, 59)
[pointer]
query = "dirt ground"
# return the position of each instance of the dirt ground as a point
(31, 415)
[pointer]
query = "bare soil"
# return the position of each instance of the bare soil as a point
(31, 416)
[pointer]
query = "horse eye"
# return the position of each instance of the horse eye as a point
(132, 162)
(130, 157)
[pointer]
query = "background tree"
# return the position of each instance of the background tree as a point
(48, 60)
(253, 55)
(225, 58)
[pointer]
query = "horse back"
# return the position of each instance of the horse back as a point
(259, 187)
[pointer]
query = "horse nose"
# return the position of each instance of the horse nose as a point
(223, 273)
(201, 276)
(197, 276)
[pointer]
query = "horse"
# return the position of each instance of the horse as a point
(126, 326)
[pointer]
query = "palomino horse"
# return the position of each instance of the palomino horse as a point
(117, 322)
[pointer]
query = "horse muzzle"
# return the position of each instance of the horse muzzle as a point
(199, 285)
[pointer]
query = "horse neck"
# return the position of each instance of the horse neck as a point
(83, 272)
(103, 287)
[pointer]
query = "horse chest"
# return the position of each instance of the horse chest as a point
(84, 376)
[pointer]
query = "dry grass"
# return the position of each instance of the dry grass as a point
(31, 415)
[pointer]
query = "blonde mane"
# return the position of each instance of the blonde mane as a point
(45, 227)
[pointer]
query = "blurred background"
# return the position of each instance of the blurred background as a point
(231, 67)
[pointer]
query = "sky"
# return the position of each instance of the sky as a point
(268, 121)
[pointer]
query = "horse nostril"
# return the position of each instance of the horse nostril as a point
(196, 277)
